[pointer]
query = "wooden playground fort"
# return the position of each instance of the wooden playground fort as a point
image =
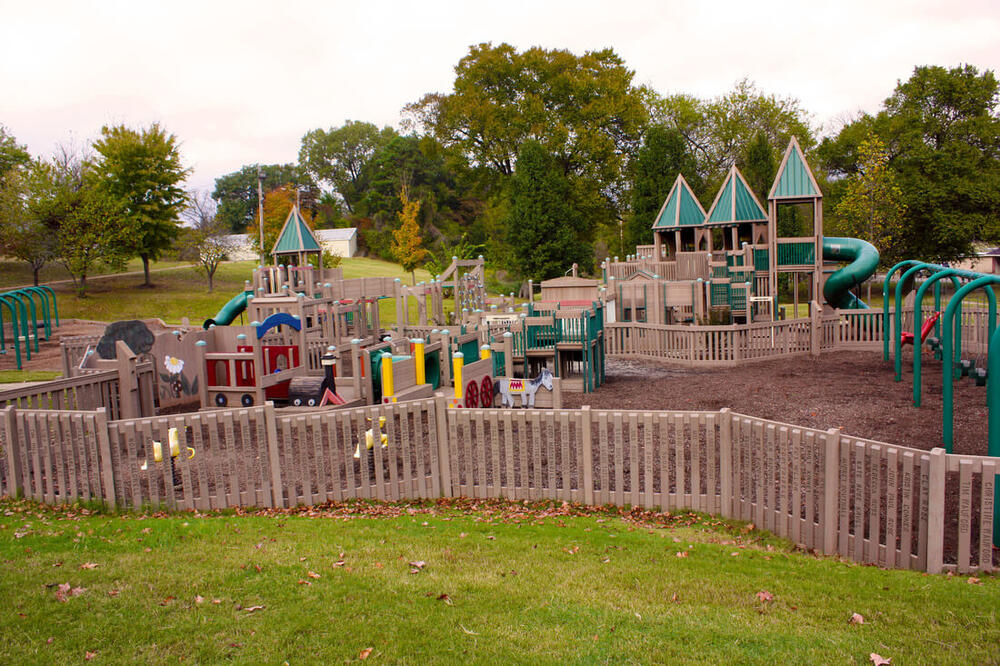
(427, 388)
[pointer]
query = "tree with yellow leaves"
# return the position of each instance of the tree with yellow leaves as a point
(406, 241)
(277, 204)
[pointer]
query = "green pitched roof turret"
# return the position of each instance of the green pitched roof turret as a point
(295, 236)
(735, 202)
(681, 208)
(794, 179)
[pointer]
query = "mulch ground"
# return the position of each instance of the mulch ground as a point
(853, 391)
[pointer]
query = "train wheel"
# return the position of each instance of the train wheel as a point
(247, 400)
(221, 400)
(472, 394)
(486, 391)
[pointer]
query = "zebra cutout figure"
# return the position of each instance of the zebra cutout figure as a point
(526, 388)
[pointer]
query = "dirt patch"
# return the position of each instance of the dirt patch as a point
(853, 391)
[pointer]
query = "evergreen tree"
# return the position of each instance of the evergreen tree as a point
(543, 228)
(663, 155)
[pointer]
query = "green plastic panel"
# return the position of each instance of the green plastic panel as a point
(760, 260)
(722, 210)
(746, 209)
(796, 254)
(690, 213)
(795, 179)
(297, 237)
(668, 218)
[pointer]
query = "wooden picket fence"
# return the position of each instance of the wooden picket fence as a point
(869, 501)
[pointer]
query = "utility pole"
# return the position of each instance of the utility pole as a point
(260, 214)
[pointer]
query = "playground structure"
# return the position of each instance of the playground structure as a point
(309, 325)
(725, 265)
(25, 319)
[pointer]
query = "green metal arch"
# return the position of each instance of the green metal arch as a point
(947, 369)
(918, 316)
(13, 318)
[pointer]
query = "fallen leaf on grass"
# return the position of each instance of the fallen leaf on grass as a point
(113, 593)
(216, 601)
(491, 537)
(857, 618)
(65, 591)
(445, 598)
(765, 596)
(251, 609)
(573, 550)
(417, 566)
(89, 565)
(471, 633)
(313, 574)
(90, 655)
(879, 660)
(167, 600)
(50, 641)
(364, 654)
(975, 581)
(199, 599)
(462, 535)
(682, 553)
(304, 582)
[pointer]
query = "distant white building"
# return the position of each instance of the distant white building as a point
(342, 242)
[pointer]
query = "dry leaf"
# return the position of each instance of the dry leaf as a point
(216, 601)
(167, 600)
(313, 574)
(445, 598)
(975, 581)
(113, 593)
(765, 596)
(339, 563)
(857, 618)
(364, 654)
(879, 660)
(251, 609)
(462, 535)
(491, 537)
(199, 599)
(304, 582)
(90, 655)
(89, 565)
(682, 553)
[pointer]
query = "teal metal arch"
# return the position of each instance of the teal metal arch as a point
(918, 317)
(947, 369)
(22, 320)
(897, 335)
(48, 307)
(993, 431)
(14, 325)
(885, 302)
(30, 330)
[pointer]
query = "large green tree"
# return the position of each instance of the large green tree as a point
(720, 130)
(26, 232)
(941, 129)
(663, 155)
(336, 156)
(544, 229)
(12, 154)
(872, 207)
(236, 193)
(142, 169)
(582, 109)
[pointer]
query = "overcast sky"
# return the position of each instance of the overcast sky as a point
(241, 82)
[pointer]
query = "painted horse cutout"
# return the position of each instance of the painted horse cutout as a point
(526, 388)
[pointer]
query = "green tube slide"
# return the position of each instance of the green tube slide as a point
(230, 310)
(863, 258)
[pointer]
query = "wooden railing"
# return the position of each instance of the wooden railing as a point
(868, 501)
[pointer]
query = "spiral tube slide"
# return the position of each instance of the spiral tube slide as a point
(230, 310)
(863, 258)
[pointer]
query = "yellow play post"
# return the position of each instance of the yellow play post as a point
(419, 360)
(484, 352)
(388, 392)
(457, 363)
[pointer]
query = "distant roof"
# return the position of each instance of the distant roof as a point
(681, 208)
(295, 236)
(336, 234)
(735, 202)
(569, 281)
(794, 179)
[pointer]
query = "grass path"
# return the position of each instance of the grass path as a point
(460, 582)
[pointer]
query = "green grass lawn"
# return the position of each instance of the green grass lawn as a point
(496, 583)
(10, 376)
(17, 273)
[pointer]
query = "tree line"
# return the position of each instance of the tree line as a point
(537, 159)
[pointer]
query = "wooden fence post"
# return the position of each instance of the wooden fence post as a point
(107, 474)
(935, 511)
(274, 461)
(444, 446)
(12, 449)
(815, 327)
(831, 491)
(128, 391)
(725, 462)
(588, 455)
